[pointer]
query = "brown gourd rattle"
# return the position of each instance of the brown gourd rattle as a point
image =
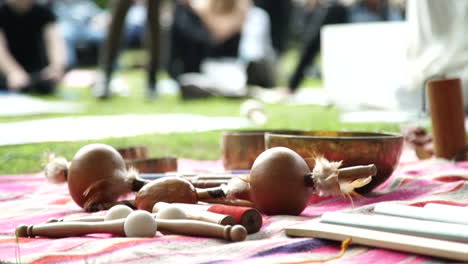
(280, 182)
(97, 176)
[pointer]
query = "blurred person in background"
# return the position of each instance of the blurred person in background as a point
(279, 12)
(210, 36)
(110, 49)
(32, 51)
(83, 24)
(438, 47)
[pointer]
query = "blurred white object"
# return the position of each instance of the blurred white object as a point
(254, 111)
(370, 116)
(438, 45)
(307, 96)
(385, 65)
(364, 64)
(255, 42)
(421, 213)
(167, 86)
(117, 86)
(18, 104)
(439, 230)
(224, 77)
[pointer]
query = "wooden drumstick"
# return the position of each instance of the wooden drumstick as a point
(137, 224)
(356, 172)
(200, 215)
(147, 228)
(208, 183)
(198, 228)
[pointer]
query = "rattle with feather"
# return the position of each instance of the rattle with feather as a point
(280, 182)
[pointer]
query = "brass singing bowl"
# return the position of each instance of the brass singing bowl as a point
(353, 148)
(240, 148)
(133, 152)
(153, 165)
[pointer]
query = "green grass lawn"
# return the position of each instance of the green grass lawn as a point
(28, 158)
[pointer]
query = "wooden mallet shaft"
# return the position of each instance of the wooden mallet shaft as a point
(198, 228)
(356, 172)
(116, 227)
(69, 229)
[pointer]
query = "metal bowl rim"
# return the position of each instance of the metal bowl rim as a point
(258, 132)
(378, 135)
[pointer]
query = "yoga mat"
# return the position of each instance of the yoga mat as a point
(98, 127)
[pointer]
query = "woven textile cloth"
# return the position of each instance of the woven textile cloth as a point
(29, 199)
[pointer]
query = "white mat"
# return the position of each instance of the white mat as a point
(19, 105)
(364, 65)
(373, 116)
(98, 127)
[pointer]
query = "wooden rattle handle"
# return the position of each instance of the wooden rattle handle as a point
(212, 218)
(207, 183)
(67, 229)
(196, 212)
(357, 172)
(198, 228)
(235, 202)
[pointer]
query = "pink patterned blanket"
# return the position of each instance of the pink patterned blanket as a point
(29, 199)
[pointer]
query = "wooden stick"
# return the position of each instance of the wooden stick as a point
(194, 176)
(68, 229)
(238, 202)
(406, 243)
(183, 227)
(399, 225)
(357, 172)
(207, 183)
(248, 217)
(448, 116)
(200, 214)
(198, 228)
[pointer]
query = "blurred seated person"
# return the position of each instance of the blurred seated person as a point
(32, 51)
(84, 26)
(280, 12)
(326, 12)
(217, 47)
